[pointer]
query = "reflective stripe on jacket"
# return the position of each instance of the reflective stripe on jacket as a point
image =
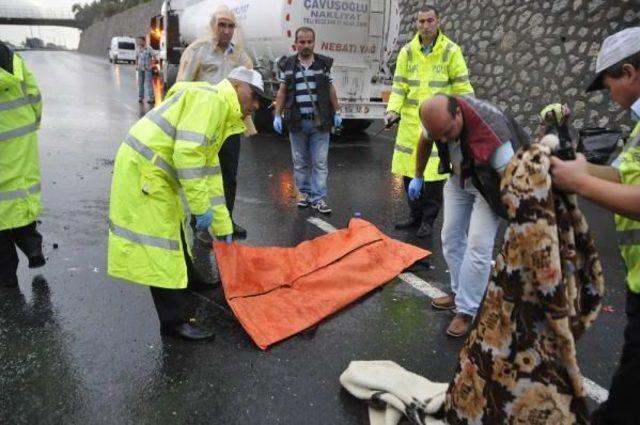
(20, 111)
(419, 76)
(170, 154)
(628, 230)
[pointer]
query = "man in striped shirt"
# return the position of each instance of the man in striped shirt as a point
(308, 104)
(144, 66)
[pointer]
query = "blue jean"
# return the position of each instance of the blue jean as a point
(468, 234)
(310, 149)
(145, 81)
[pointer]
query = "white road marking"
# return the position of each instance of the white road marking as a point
(323, 225)
(593, 390)
(421, 285)
(254, 201)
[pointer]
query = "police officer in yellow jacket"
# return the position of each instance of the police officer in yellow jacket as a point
(20, 111)
(430, 63)
(617, 188)
(170, 156)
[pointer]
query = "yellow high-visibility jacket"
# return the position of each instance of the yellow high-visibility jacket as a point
(20, 112)
(627, 229)
(170, 154)
(419, 76)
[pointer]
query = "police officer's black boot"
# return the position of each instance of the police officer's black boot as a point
(408, 223)
(188, 331)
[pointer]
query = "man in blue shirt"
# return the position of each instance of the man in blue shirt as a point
(144, 65)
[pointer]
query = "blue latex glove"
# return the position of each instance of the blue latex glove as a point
(415, 188)
(337, 120)
(277, 123)
(203, 221)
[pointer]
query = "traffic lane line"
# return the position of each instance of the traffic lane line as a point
(594, 391)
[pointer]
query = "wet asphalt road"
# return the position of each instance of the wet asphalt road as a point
(85, 348)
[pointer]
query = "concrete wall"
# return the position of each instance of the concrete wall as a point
(134, 22)
(523, 55)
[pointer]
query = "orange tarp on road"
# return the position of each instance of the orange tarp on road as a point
(278, 292)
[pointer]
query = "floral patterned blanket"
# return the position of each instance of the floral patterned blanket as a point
(519, 365)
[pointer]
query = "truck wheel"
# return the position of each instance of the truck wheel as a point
(355, 126)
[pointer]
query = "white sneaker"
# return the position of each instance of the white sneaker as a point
(321, 206)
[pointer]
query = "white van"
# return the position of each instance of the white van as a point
(122, 49)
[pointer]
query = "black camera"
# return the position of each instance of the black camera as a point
(600, 145)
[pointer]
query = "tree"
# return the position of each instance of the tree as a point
(88, 13)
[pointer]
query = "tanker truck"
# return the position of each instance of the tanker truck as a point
(360, 35)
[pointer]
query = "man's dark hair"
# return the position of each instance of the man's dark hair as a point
(452, 105)
(428, 8)
(615, 71)
(142, 38)
(305, 29)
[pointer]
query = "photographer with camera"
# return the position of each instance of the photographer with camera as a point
(617, 188)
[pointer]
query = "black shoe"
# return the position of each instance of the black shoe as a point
(408, 223)
(36, 261)
(151, 101)
(204, 237)
(424, 230)
(239, 231)
(11, 283)
(188, 332)
(140, 100)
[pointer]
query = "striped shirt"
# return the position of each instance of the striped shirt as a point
(304, 101)
(145, 58)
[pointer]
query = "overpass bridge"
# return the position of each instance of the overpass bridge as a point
(26, 15)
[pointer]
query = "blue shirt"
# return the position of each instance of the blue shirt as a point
(145, 58)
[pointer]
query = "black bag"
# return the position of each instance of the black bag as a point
(600, 145)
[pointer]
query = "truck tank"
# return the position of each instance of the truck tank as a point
(357, 34)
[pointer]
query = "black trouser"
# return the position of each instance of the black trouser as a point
(229, 156)
(621, 408)
(426, 208)
(29, 241)
(175, 306)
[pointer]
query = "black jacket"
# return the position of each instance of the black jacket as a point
(288, 67)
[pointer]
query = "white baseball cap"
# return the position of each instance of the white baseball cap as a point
(615, 48)
(249, 76)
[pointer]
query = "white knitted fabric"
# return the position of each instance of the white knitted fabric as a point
(394, 392)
